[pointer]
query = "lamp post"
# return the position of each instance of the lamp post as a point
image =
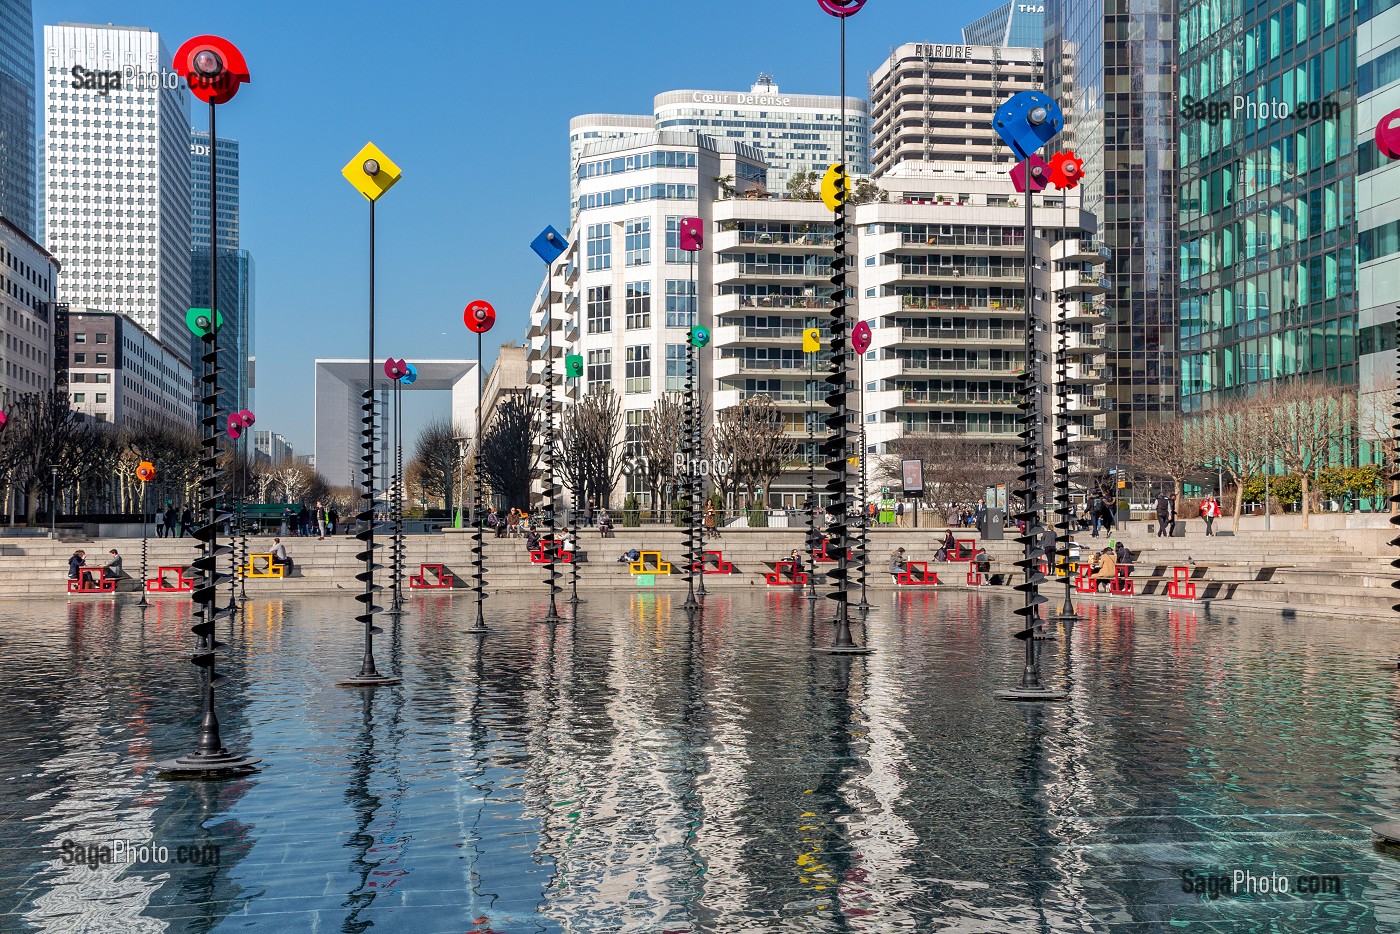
(1026, 122)
(479, 317)
(371, 173)
(214, 69)
(549, 246)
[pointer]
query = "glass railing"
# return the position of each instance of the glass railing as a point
(781, 301)
(960, 334)
(748, 237)
(747, 363)
(924, 397)
(783, 333)
(914, 426)
(959, 366)
(941, 304)
(953, 272)
(955, 240)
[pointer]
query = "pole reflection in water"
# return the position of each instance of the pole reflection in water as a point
(379, 844)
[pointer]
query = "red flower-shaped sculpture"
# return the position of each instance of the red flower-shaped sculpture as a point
(214, 68)
(479, 316)
(1066, 169)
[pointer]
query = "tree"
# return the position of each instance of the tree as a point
(956, 471)
(751, 433)
(42, 435)
(1166, 448)
(1306, 418)
(508, 452)
(802, 186)
(865, 191)
(590, 455)
(438, 457)
(1235, 438)
(664, 436)
(175, 452)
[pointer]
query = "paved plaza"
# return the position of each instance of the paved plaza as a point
(640, 769)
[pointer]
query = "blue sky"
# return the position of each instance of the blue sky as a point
(473, 101)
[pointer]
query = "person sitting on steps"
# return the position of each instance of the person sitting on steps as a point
(279, 557)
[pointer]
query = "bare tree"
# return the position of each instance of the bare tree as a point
(663, 441)
(590, 455)
(175, 452)
(508, 452)
(38, 444)
(751, 433)
(438, 457)
(1234, 436)
(1306, 418)
(956, 472)
(1168, 449)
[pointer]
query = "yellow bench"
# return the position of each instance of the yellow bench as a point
(272, 571)
(640, 566)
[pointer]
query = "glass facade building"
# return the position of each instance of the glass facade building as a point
(235, 266)
(17, 165)
(1013, 24)
(1267, 192)
(1114, 74)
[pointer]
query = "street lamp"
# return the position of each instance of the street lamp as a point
(371, 173)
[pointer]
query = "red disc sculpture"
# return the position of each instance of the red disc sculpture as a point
(479, 316)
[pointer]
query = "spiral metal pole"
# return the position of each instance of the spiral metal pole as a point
(550, 439)
(810, 507)
(478, 542)
(211, 759)
(368, 675)
(1064, 511)
(571, 528)
(143, 602)
(396, 552)
(243, 524)
(692, 453)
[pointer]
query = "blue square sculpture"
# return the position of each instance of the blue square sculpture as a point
(1012, 122)
(549, 245)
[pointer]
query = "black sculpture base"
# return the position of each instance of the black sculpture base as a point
(1030, 694)
(843, 649)
(219, 765)
(368, 681)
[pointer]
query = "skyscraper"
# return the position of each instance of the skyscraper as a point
(1012, 23)
(17, 191)
(1114, 74)
(117, 179)
(1268, 231)
(235, 266)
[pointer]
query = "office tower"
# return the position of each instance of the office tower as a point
(28, 280)
(1014, 24)
(117, 176)
(1267, 216)
(1114, 75)
(934, 103)
(236, 268)
(17, 143)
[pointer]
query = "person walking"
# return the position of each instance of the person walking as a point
(186, 521)
(320, 521)
(899, 513)
(711, 521)
(1163, 507)
(159, 520)
(170, 521)
(1096, 514)
(1210, 511)
(332, 520)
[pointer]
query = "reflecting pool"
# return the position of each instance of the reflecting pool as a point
(640, 770)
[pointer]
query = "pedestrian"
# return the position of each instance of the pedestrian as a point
(186, 521)
(899, 513)
(159, 520)
(1096, 513)
(320, 521)
(114, 565)
(1163, 507)
(333, 518)
(75, 568)
(711, 521)
(897, 564)
(592, 511)
(1210, 511)
(170, 521)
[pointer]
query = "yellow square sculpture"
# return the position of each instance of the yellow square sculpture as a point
(371, 172)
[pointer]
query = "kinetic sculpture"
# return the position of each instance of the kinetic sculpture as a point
(371, 173)
(1026, 122)
(692, 240)
(238, 423)
(479, 318)
(215, 70)
(145, 472)
(396, 371)
(835, 192)
(549, 246)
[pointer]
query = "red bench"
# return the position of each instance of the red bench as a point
(715, 558)
(965, 549)
(102, 583)
(821, 555)
(925, 577)
(1085, 582)
(441, 579)
(1123, 584)
(158, 583)
(1181, 586)
(974, 578)
(542, 555)
(795, 576)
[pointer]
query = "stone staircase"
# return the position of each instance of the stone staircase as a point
(1283, 570)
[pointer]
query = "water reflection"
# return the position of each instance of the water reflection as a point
(640, 768)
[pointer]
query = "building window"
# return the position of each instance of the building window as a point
(638, 369)
(638, 241)
(80, 358)
(599, 372)
(102, 338)
(102, 358)
(638, 305)
(675, 367)
(80, 338)
(680, 303)
(599, 308)
(599, 247)
(100, 397)
(638, 428)
(79, 396)
(674, 253)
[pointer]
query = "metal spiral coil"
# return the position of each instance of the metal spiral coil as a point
(365, 518)
(836, 447)
(478, 540)
(1064, 510)
(552, 488)
(1029, 495)
(1395, 498)
(692, 484)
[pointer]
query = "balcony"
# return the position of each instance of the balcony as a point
(959, 367)
(958, 400)
(953, 275)
(1081, 281)
(728, 240)
(729, 367)
(733, 272)
(921, 303)
(738, 303)
(1086, 250)
(994, 337)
